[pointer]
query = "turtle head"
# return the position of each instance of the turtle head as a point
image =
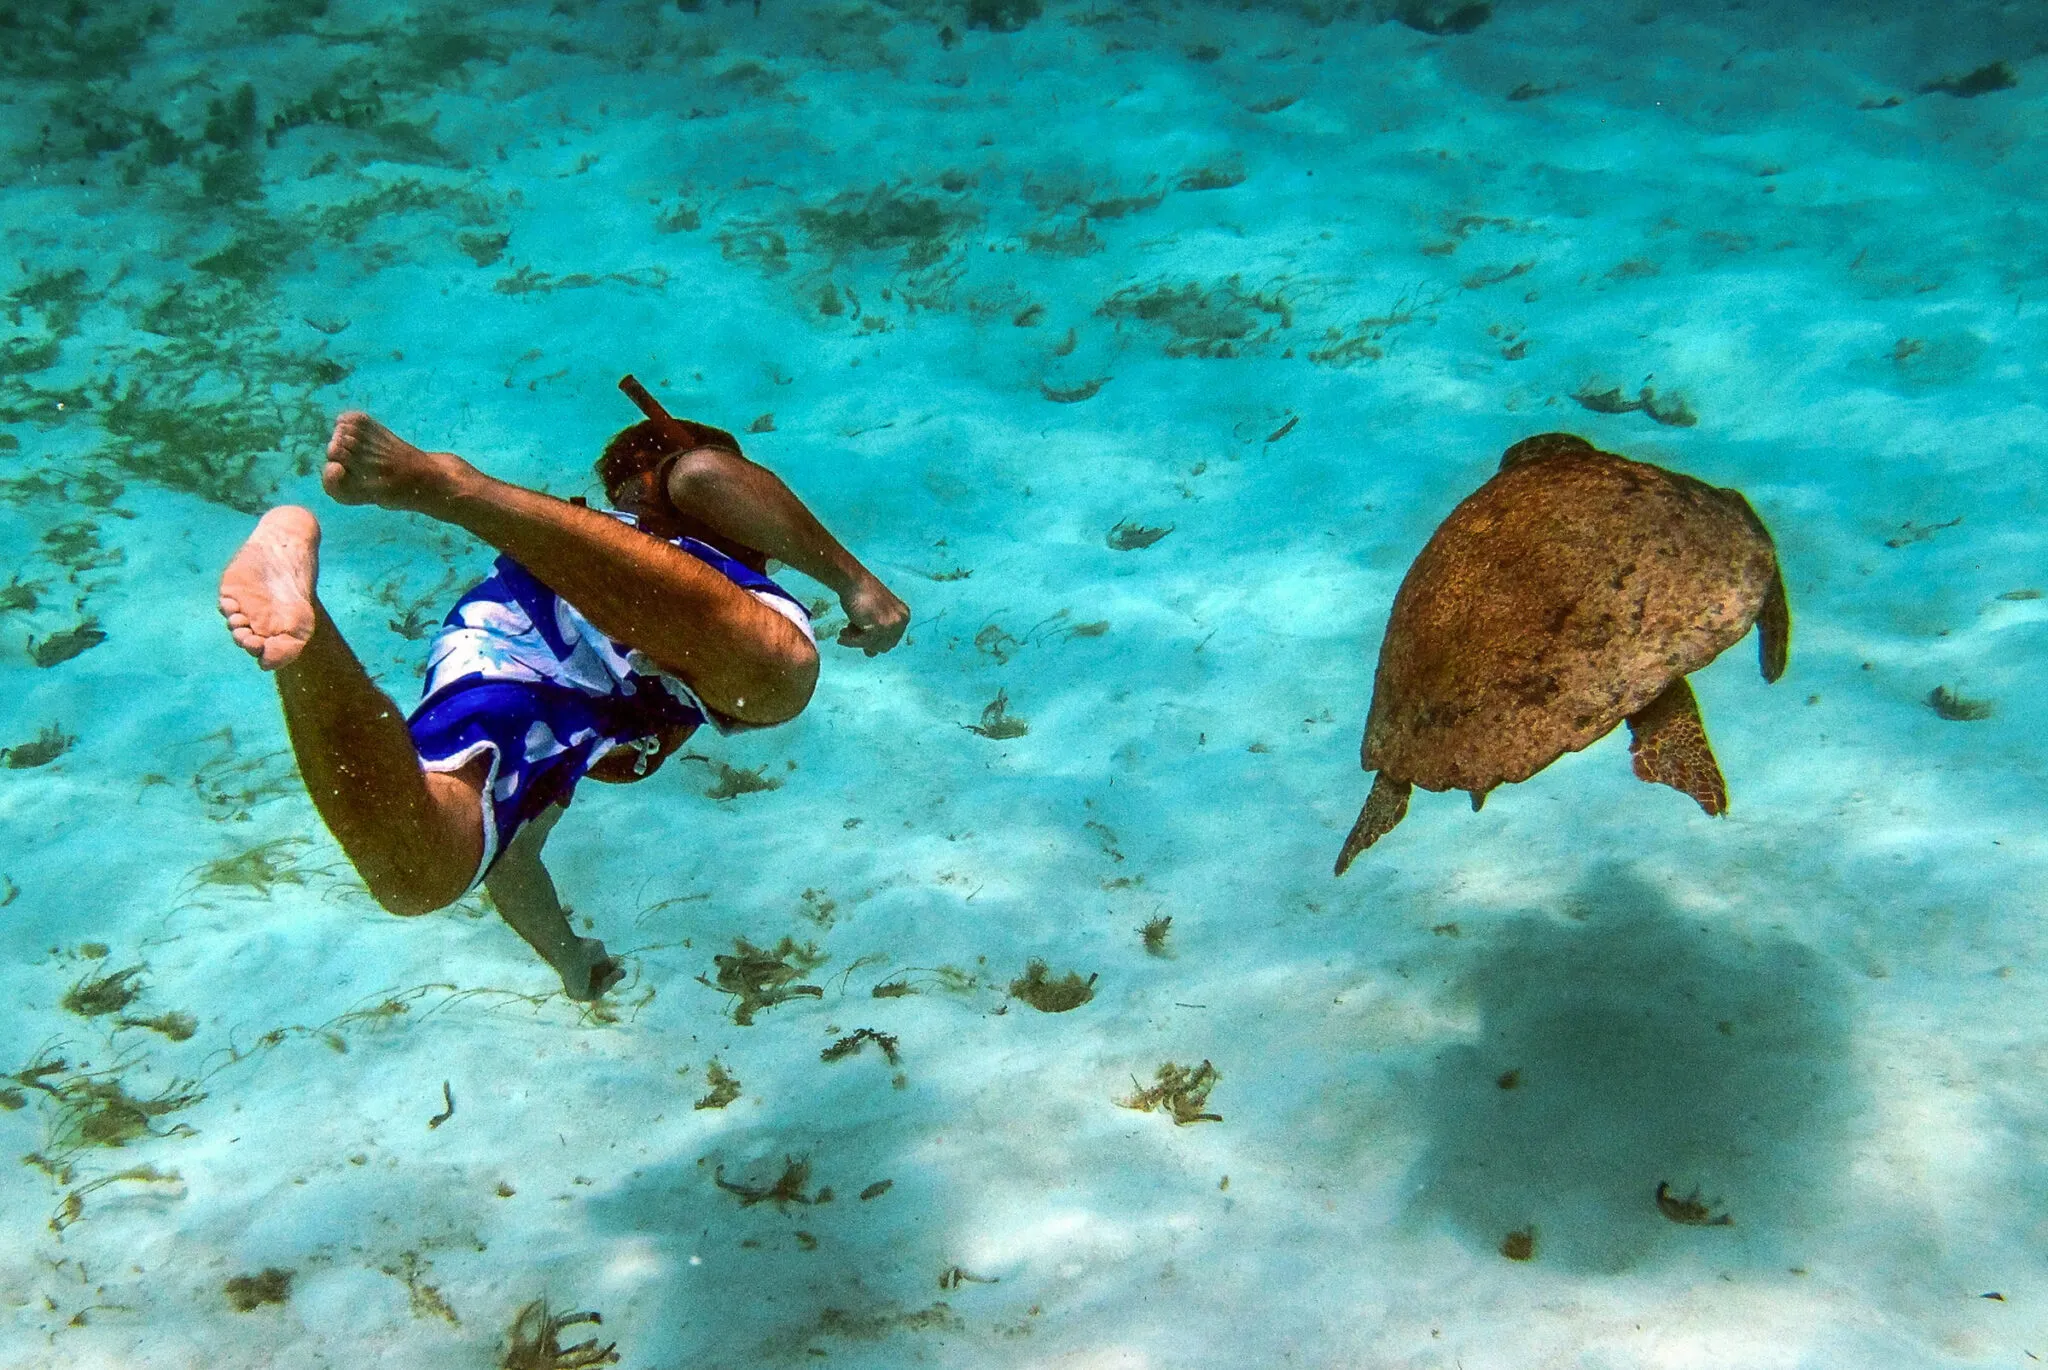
(1544, 446)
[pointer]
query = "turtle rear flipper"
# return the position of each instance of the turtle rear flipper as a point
(1384, 807)
(1774, 629)
(1669, 744)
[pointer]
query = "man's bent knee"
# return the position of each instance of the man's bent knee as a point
(695, 477)
(411, 896)
(783, 681)
(410, 900)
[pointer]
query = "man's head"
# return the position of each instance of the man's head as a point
(642, 450)
(635, 470)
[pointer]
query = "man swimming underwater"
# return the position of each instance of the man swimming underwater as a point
(531, 683)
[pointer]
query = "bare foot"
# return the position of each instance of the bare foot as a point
(367, 463)
(266, 594)
(592, 971)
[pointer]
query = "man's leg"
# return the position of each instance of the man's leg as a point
(415, 837)
(525, 895)
(741, 657)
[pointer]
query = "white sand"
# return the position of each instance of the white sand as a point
(1822, 1011)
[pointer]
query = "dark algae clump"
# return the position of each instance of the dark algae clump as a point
(1689, 1211)
(1982, 81)
(732, 782)
(997, 722)
(247, 1293)
(787, 1189)
(91, 1108)
(1132, 537)
(1180, 1091)
(761, 979)
(879, 221)
(258, 869)
(19, 595)
(58, 648)
(1154, 934)
(724, 1087)
(179, 1027)
(1219, 321)
(1519, 1245)
(851, 1044)
(1036, 988)
(51, 743)
(1956, 709)
(535, 1341)
(1911, 532)
(96, 995)
(1672, 411)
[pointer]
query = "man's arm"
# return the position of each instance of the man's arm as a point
(749, 504)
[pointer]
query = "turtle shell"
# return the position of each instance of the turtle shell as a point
(1559, 598)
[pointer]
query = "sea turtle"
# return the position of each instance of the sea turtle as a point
(1574, 589)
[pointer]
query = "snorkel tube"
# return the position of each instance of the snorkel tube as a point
(650, 406)
(685, 434)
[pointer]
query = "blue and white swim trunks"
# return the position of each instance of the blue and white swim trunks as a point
(518, 674)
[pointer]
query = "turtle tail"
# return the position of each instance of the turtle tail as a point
(1384, 807)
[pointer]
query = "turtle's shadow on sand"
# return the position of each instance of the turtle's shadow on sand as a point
(1646, 1047)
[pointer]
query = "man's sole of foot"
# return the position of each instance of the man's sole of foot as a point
(266, 593)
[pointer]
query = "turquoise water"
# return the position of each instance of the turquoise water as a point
(995, 287)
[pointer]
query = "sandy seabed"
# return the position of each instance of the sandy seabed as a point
(1004, 290)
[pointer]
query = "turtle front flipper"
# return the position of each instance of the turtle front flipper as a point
(1384, 807)
(1774, 629)
(1670, 748)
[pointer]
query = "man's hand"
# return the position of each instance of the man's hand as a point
(875, 619)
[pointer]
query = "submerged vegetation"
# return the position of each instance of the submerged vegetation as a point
(247, 1293)
(1689, 1211)
(61, 647)
(1037, 988)
(1217, 321)
(259, 869)
(732, 782)
(51, 743)
(231, 784)
(724, 1087)
(102, 994)
(851, 1044)
(1182, 1092)
(1956, 708)
(1154, 933)
(89, 1108)
(1670, 410)
(759, 979)
(997, 722)
(880, 221)
(203, 392)
(535, 1341)
(787, 1189)
(1132, 537)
